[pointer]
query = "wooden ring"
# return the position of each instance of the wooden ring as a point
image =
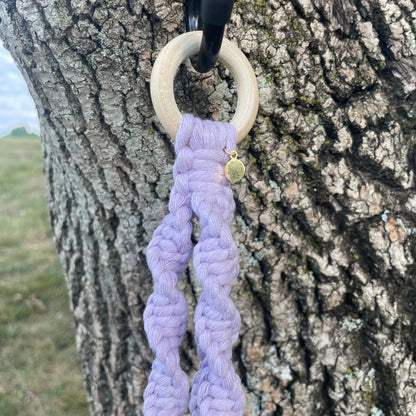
(167, 64)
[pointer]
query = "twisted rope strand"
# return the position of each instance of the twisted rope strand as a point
(166, 312)
(200, 187)
(216, 388)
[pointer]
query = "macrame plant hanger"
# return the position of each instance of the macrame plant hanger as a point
(206, 163)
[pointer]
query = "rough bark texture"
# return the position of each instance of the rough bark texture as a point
(326, 217)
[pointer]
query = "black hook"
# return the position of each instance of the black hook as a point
(210, 16)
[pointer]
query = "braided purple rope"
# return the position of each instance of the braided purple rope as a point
(200, 186)
(216, 388)
(166, 313)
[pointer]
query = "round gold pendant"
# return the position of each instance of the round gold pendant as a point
(234, 170)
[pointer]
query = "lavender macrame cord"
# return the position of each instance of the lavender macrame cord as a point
(200, 188)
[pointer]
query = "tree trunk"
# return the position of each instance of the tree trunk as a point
(326, 216)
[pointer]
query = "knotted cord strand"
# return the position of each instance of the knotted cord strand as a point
(201, 188)
(216, 387)
(166, 312)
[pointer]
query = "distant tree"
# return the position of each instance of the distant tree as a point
(21, 132)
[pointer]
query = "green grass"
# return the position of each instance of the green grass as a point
(39, 371)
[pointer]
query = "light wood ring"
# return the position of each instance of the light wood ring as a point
(167, 64)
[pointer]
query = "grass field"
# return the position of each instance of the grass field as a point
(39, 371)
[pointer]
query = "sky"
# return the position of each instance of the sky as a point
(16, 105)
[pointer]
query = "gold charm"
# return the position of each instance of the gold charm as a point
(234, 169)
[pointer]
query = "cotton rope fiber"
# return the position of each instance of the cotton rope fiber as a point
(200, 189)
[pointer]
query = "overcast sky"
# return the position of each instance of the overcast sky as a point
(16, 105)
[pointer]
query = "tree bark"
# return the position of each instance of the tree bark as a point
(325, 219)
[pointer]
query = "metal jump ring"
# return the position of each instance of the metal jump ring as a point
(167, 64)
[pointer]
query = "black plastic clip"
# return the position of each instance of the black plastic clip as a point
(210, 16)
